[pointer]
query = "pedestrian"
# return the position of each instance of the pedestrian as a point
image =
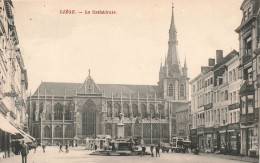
(95, 147)
(143, 151)
(24, 152)
(43, 147)
(35, 146)
(67, 148)
(151, 148)
(157, 148)
(60, 148)
(91, 146)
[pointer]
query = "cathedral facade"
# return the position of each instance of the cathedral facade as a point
(63, 112)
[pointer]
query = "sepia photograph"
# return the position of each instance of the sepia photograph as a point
(129, 81)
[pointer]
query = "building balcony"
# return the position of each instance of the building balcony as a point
(247, 58)
(208, 106)
(247, 88)
(234, 106)
(248, 118)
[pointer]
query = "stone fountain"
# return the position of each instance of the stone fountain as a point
(120, 146)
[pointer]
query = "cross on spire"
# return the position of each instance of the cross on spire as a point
(88, 71)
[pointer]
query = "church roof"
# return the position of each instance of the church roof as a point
(59, 89)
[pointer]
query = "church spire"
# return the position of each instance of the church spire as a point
(185, 68)
(173, 60)
(185, 63)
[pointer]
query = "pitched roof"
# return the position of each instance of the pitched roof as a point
(225, 60)
(59, 89)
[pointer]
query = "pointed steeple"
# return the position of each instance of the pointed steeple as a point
(185, 68)
(185, 63)
(172, 27)
(173, 60)
(165, 63)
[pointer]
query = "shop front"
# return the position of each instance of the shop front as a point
(223, 139)
(201, 139)
(6, 130)
(208, 139)
(194, 143)
(216, 138)
(233, 139)
(249, 140)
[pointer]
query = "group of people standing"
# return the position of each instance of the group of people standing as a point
(157, 150)
(66, 148)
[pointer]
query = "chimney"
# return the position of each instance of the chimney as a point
(219, 55)
(211, 61)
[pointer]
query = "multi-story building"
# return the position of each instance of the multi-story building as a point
(249, 69)
(13, 81)
(215, 105)
(64, 112)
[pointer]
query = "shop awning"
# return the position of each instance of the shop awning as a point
(6, 126)
(27, 135)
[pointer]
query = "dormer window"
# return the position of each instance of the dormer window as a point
(247, 13)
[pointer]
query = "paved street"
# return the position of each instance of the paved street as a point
(78, 155)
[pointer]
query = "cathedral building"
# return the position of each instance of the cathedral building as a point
(63, 112)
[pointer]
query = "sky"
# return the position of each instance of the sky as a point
(123, 48)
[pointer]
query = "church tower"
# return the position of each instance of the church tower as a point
(173, 79)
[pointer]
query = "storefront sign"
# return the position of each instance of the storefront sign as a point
(200, 131)
(208, 130)
(193, 132)
(233, 126)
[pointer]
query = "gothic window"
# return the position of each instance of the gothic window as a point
(47, 132)
(181, 90)
(57, 132)
(128, 130)
(48, 112)
(155, 131)
(137, 129)
(143, 111)
(170, 90)
(68, 132)
(108, 129)
(88, 118)
(152, 111)
(58, 111)
(165, 130)
(116, 110)
(68, 112)
(41, 107)
(135, 110)
(126, 110)
(147, 130)
(36, 131)
(34, 110)
(109, 110)
(161, 112)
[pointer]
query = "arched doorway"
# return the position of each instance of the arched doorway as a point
(89, 118)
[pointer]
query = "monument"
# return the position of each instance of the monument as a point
(120, 146)
(120, 127)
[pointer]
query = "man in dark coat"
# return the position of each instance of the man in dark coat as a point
(60, 148)
(157, 148)
(151, 148)
(24, 152)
